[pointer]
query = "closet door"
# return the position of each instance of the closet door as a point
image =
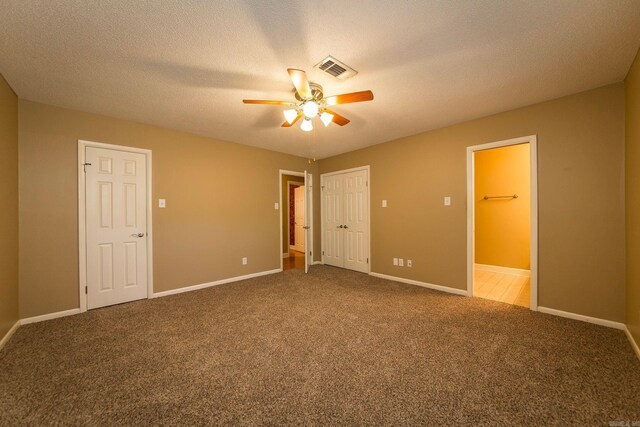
(356, 221)
(332, 218)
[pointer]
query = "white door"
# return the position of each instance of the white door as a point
(332, 215)
(299, 207)
(345, 220)
(116, 226)
(356, 221)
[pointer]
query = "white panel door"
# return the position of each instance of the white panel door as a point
(356, 221)
(332, 220)
(116, 226)
(299, 218)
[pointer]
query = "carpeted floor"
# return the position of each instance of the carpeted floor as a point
(331, 348)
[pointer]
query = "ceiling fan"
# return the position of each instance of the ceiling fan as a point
(312, 102)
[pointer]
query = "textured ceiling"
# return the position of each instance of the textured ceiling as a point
(187, 64)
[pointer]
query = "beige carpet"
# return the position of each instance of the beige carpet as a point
(331, 348)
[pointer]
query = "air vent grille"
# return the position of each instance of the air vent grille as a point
(335, 68)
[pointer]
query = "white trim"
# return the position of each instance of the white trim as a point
(50, 316)
(503, 270)
(359, 168)
(9, 334)
(317, 262)
(82, 241)
(440, 288)
(634, 344)
(216, 283)
(582, 318)
(532, 140)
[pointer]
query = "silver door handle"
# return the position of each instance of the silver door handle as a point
(306, 227)
(137, 235)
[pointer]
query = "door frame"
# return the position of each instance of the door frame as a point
(359, 168)
(289, 185)
(307, 247)
(532, 140)
(82, 220)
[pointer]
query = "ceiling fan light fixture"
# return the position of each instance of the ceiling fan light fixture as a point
(310, 109)
(326, 118)
(290, 115)
(306, 125)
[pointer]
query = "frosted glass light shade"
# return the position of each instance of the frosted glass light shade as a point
(326, 118)
(290, 115)
(310, 109)
(306, 125)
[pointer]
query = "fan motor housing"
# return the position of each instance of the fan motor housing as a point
(316, 93)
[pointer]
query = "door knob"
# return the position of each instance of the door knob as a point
(346, 226)
(137, 235)
(339, 226)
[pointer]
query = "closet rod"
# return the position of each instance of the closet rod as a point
(513, 196)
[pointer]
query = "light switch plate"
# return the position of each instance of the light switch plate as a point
(447, 201)
(401, 262)
(384, 203)
(244, 260)
(409, 263)
(162, 203)
(276, 206)
(395, 261)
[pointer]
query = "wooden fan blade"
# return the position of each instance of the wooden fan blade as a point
(337, 118)
(300, 82)
(266, 102)
(286, 124)
(347, 98)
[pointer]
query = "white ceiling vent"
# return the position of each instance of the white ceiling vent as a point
(335, 68)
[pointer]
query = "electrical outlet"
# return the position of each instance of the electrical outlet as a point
(244, 261)
(162, 203)
(447, 201)
(409, 263)
(395, 261)
(401, 262)
(384, 203)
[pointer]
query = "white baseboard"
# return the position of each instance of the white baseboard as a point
(285, 255)
(317, 262)
(583, 318)
(503, 270)
(633, 342)
(216, 283)
(49, 316)
(8, 335)
(423, 284)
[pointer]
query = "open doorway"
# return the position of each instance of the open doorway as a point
(295, 220)
(503, 222)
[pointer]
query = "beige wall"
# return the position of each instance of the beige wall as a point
(503, 225)
(284, 203)
(632, 167)
(9, 203)
(207, 227)
(581, 199)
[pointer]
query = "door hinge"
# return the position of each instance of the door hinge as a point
(84, 166)
(367, 260)
(310, 253)
(86, 289)
(322, 252)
